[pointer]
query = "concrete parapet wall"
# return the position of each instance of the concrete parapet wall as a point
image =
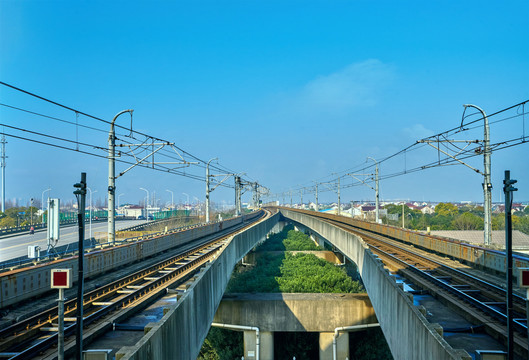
(296, 312)
(181, 332)
(25, 283)
(408, 333)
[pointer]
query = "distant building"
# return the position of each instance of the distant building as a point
(426, 210)
(132, 210)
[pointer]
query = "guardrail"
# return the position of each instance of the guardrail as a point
(71, 248)
(26, 228)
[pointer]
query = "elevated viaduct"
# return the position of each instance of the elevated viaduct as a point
(408, 333)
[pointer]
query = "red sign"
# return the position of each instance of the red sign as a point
(524, 277)
(61, 278)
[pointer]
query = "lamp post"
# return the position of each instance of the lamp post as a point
(187, 203)
(91, 210)
(172, 198)
(118, 199)
(112, 177)
(31, 212)
(376, 190)
(487, 184)
(146, 204)
(198, 210)
(42, 201)
(207, 188)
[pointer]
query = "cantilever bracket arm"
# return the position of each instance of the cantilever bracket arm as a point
(226, 177)
(429, 142)
(362, 181)
(331, 188)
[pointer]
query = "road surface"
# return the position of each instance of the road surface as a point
(16, 246)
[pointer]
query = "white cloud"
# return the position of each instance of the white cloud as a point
(356, 85)
(417, 132)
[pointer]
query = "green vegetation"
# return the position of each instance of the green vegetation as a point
(300, 273)
(448, 216)
(221, 344)
(278, 270)
(19, 216)
(369, 345)
(288, 240)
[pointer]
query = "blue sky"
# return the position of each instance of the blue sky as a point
(288, 92)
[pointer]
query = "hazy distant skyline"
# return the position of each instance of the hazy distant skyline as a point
(287, 92)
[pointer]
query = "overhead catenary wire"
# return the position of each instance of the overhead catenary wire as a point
(444, 161)
(176, 153)
(218, 168)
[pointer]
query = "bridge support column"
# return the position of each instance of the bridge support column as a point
(266, 345)
(249, 259)
(342, 346)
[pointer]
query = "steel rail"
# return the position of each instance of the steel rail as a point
(122, 302)
(407, 269)
(453, 272)
(26, 329)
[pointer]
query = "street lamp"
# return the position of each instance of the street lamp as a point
(112, 177)
(118, 198)
(146, 204)
(487, 184)
(376, 189)
(187, 203)
(199, 210)
(31, 212)
(42, 201)
(91, 210)
(172, 198)
(207, 188)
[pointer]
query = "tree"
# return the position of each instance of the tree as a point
(446, 209)
(7, 221)
(498, 222)
(468, 221)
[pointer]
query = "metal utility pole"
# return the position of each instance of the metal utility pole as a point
(60, 345)
(317, 205)
(301, 197)
(237, 180)
(3, 157)
(508, 188)
(80, 193)
(112, 177)
(207, 188)
(146, 204)
(238, 192)
(376, 190)
(255, 190)
(339, 199)
(403, 215)
(487, 184)
(291, 198)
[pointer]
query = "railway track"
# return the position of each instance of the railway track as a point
(36, 336)
(482, 302)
